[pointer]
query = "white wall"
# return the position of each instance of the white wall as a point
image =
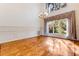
(69, 7)
(18, 21)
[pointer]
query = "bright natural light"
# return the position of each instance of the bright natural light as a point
(58, 27)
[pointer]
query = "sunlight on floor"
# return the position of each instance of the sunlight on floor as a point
(61, 47)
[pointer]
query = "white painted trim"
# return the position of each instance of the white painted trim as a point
(18, 36)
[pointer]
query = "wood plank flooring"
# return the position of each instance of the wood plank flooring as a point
(40, 46)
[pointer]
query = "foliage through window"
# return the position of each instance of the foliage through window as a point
(58, 26)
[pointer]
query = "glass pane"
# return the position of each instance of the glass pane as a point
(58, 26)
(50, 27)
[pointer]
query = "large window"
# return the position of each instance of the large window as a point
(62, 25)
(58, 27)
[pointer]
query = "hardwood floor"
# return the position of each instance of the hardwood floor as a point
(40, 46)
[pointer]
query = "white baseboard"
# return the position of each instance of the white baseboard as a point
(11, 36)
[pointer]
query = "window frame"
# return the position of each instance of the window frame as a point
(71, 16)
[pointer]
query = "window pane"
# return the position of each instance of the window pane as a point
(58, 26)
(50, 26)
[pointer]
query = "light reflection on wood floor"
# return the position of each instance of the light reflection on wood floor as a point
(40, 46)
